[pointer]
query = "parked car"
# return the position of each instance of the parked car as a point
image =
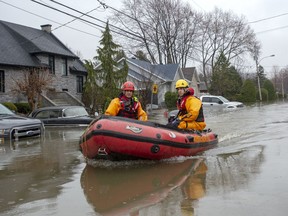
(219, 101)
(13, 126)
(62, 116)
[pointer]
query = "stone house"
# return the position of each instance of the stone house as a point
(23, 48)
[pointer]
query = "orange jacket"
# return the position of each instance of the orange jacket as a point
(115, 106)
(188, 121)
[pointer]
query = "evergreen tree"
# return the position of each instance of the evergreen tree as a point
(271, 93)
(248, 91)
(226, 81)
(108, 75)
(91, 92)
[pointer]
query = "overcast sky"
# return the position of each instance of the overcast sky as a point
(271, 27)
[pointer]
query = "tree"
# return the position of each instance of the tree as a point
(32, 84)
(166, 30)
(108, 76)
(224, 32)
(280, 81)
(248, 91)
(268, 85)
(92, 91)
(226, 81)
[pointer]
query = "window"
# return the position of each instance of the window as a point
(205, 99)
(64, 66)
(52, 64)
(45, 114)
(79, 84)
(2, 81)
(215, 100)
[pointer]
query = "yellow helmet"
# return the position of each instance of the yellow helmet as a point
(181, 83)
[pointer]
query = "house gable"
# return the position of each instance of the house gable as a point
(191, 75)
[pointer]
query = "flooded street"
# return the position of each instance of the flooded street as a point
(246, 174)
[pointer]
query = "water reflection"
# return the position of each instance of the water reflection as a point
(122, 191)
(34, 169)
(234, 170)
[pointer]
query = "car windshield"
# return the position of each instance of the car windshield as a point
(75, 111)
(224, 99)
(5, 111)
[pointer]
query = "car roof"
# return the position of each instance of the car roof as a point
(56, 107)
(211, 96)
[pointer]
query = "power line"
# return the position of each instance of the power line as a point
(85, 20)
(48, 19)
(274, 29)
(268, 18)
(95, 18)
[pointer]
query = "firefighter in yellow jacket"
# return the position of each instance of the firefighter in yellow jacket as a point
(190, 108)
(127, 105)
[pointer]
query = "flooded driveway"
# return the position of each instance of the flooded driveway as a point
(246, 174)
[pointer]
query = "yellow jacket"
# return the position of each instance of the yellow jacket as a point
(188, 121)
(115, 106)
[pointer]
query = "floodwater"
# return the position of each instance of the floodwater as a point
(246, 174)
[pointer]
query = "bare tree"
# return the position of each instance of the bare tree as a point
(280, 80)
(165, 29)
(32, 85)
(227, 33)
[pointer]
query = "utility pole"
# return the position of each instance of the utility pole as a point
(258, 73)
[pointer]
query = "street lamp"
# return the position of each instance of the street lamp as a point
(258, 75)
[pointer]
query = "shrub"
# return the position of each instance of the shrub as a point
(23, 108)
(10, 106)
(171, 99)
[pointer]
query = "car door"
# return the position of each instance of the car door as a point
(48, 117)
(216, 101)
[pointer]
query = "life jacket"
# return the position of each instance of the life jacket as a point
(128, 106)
(182, 108)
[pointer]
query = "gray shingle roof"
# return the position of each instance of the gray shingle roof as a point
(166, 72)
(18, 44)
(188, 72)
(78, 66)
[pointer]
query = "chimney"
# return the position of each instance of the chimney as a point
(46, 28)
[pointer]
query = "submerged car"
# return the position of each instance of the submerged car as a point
(62, 116)
(13, 126)
(219, 101)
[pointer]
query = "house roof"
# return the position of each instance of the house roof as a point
(18, 44)
(166, 72)
(189, 72)
(78, 66)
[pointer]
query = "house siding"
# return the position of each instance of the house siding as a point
(10, 75)
(58, 83)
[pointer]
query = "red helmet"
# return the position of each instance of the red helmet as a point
(128, 86)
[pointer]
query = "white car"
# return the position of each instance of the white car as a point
(219, 101)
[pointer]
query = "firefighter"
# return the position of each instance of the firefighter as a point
(190, 115)
(127, 105)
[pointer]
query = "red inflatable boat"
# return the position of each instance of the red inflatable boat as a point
(118, 138)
